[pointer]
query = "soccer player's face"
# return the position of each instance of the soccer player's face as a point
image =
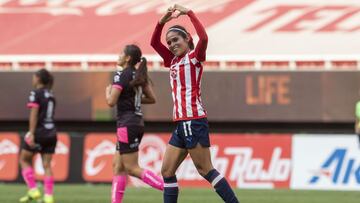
(177, 44)
(122, 60)
(35, 81)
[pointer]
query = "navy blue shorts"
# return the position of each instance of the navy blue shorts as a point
(189, 133)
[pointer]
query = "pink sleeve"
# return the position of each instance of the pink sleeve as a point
(119, 87)
(200, 49)
(32, 105)
(164, 52)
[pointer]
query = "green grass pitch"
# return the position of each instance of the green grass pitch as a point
(87, 193)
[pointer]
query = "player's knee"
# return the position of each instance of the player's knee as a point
(46, 165)
(118, 168)
(24, 161)
(166, 172)
(131, 169)
(202, 170)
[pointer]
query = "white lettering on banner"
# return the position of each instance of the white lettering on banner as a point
(61, 148)
(7, 147)
(106, 147)
(107, 7)
(249, 172)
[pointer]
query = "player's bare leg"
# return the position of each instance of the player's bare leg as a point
(48, 179)
(202, 161)
(173, 157)
(119, 179)
(131, 164)
(27, 172)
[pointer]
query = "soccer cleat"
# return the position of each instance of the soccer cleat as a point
(33, 194)
(49, 199)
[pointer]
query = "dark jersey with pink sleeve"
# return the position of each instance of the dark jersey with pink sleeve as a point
(128, 106)
(44, 100)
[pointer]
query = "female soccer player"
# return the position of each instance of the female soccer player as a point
(131, 87)
(41, 137)
(192, 132)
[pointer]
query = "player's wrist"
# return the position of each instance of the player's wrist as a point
(30, 133)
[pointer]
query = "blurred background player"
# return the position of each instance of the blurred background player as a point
(192, 131)
(131, 87)
(357, 119)
(41, 137)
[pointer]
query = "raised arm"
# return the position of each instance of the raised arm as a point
(112, 94)
(161, 49)
(200, 49)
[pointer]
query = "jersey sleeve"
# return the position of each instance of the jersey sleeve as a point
(200, 49)
(121, 80)
(34, 101)
(161, 49)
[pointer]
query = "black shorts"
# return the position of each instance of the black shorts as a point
(45, 141)
(189, 133)
(129, 138)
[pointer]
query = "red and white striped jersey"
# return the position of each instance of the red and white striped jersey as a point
(185, 79)
(185, 73)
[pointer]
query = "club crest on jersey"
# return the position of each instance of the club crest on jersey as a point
(173, 72)
(116, 78)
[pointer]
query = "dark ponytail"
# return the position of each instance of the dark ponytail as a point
(183, 33)
(45, 77)
(141, 76)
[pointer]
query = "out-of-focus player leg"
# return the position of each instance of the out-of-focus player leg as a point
(119, 179)
(48, 179)
(173, 157)
(202, 160)
(130, 161)
(27, 172)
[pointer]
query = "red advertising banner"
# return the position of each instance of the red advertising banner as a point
(247, 161)
(60, 162)
(99, 149)
(9, 150)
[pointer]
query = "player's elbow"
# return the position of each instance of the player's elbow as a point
(110, 103)
(204, 39)
(201, 57)
(153, 43)
(152, 100)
